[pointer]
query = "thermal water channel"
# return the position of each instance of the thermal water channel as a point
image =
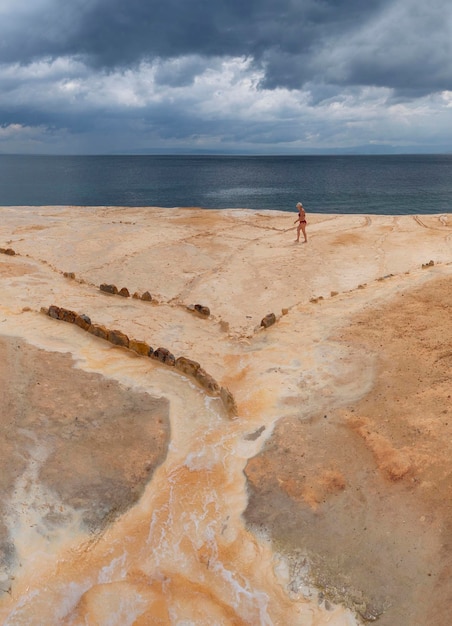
(182, 554)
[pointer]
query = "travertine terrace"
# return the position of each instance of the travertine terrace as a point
(130, 493)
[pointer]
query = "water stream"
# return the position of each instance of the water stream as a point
(181, 555)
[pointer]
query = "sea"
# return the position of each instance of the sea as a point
(392, 185)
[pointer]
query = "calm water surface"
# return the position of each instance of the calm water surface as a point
(325, 184)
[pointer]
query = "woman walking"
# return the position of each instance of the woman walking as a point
(301, 219)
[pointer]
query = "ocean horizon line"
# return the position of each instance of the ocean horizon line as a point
(320, 153)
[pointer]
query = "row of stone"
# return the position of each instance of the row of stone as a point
(163, 355)
(124, 292)
(203, 310)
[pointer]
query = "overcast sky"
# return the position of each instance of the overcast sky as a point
(257, 76)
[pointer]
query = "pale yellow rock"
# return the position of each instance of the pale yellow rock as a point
(332, 416)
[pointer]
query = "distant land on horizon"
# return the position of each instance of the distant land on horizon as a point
(374, 150)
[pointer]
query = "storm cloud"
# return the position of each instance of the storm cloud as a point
(225, 75)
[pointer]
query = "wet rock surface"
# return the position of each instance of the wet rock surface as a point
(358, 496)
(77, 446)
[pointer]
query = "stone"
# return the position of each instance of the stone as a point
(164, 356)
(98, 331)
(228, 401)
(10, 251)
(83, 321)
(146, 296)
(54, 311)
(109, 288)
(268, 320)
(67, 316)
(118, 338)
(385, 276)
(202, 310)
(140, 347)
(69, 275)
(207, 381)
(187, 366)
(124, 292)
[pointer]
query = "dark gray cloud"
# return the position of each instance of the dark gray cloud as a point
(383, 42)
(111, 74)
(181, 71)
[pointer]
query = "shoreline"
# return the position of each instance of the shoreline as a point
(293, 210)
